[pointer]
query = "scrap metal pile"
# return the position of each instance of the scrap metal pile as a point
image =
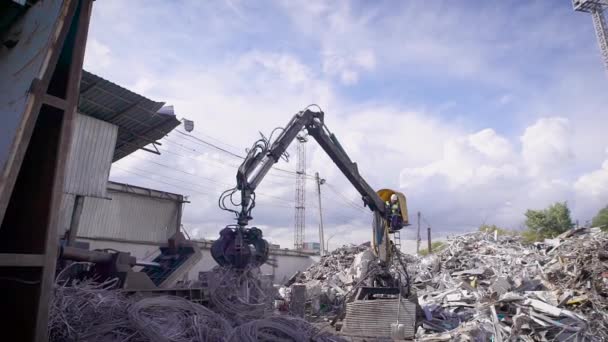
(335, 277)
(477, 288)
(480, 289)
(87, 311)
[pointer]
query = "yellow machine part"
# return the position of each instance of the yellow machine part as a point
(382, 245)
(386, 194)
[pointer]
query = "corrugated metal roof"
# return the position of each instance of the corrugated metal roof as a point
(138, 118)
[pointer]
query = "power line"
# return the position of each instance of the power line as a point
(206, 143)
(218, 140)
(159, 181)
(344, 198)
(197, 184)
(210, 144)
(214, 160)
(182, 171)
(206, 187)
(359, 212)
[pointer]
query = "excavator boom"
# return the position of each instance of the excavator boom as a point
(258, 162)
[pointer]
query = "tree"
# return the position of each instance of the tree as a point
(601, 219)
(487, 228)
(548, 223)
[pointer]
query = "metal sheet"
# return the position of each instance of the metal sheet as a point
(373, 318)
(129, 216)
(20, 65)
(90, 158)
(65, 213)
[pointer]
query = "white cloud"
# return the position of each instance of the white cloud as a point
(505, 99)
(477, 158)
(97, 55)
(481, 177)
(592, 191)
(348, 65)
(286, 67)
(365, 59)
(547, 146)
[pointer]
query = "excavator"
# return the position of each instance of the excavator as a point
(240, 246)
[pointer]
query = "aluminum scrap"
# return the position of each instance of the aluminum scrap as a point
(329, 280)
(478, 288)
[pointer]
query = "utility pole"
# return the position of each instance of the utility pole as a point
(418, 238)
(429, 239)
(321, 237)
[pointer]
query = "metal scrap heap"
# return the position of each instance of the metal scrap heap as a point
(333, 277)
(331, 281)
(479, 288)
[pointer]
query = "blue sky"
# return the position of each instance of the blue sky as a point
(477, 110)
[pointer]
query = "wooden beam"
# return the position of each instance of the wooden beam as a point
(65, 139)
(21, 260)
(54, 101)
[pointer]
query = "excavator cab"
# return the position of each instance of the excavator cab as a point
(383, 226)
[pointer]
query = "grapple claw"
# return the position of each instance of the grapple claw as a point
(239, 247)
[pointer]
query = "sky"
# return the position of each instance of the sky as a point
(476, 110)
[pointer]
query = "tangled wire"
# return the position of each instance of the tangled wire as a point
(279, 328)
(238, 295)
(87, 311)
(91, 312)
(175, 319)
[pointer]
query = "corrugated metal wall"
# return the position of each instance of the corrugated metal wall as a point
(90, 157)
(65, 213)
(129, 217)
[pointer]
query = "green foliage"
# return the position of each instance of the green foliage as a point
(435, 246)
(530, 236)
(601, 219)
(486, 228)
(547, 223)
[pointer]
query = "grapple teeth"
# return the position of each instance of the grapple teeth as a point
(240, 247)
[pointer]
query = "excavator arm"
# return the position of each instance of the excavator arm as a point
(256, 165)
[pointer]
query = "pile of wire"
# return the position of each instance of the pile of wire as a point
(167, 318)
(86, 311)
(239, 311)
(238, 295)
(280, 329)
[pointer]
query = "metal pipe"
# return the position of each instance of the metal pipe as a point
(147, 263)
(79, 254)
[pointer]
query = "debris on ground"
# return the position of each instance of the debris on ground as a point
(483, 287)
(333, 277)
(479, 288)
